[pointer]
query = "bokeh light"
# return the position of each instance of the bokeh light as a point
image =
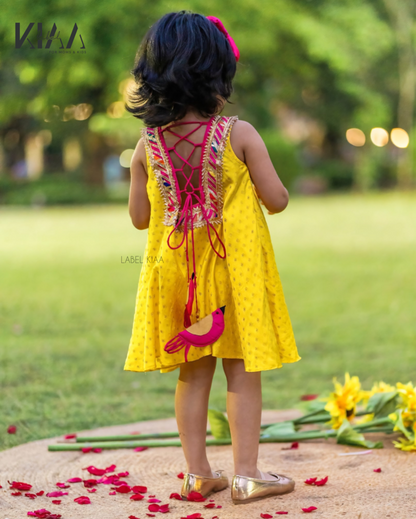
(125, 158)
(399, 137)
(355, 136)
(116, 109)
(379, 137)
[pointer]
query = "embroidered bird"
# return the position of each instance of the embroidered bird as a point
(203, 333)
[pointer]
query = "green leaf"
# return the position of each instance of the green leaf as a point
(279, 429)
(410, 435)
(220, 428)
(348, 436)
(382, 404)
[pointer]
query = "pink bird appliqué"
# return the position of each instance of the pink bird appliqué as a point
(203, 333)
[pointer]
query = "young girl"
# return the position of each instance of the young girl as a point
(197, 179)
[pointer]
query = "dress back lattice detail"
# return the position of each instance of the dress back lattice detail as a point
(208, 194)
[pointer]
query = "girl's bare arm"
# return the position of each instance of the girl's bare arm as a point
(250, 148)
(139, 205)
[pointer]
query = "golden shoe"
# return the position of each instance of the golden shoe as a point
(245, 489)
(204, 485)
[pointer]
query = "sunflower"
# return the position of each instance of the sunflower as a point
(404, 418)
(342, 402)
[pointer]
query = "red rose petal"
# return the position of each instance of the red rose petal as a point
(30, 496)
(151, 496)
(321, 482)
(83, 500)
(88, 483)
(174, 495)
(56, 501)
(294, 445)
(140, 449)
(40, 493)
(70, 436)
(123, 489)
(308, 397)
(91, 490)
(311, 481)
(181, 475)
(309, 509)
(42, 513)
(210, 505)
(139, 489)
(137, 497)
(97, 449)
(195, 496)
(193, 516)
(123, 474)
(376, 470)
(154, 500)
(112, 493)
(19, 485)
(164, 509)
(266, 516)
(62, 485)
(153, 508)
(133, 517)
(282, 513)
(16, 493)
(94, 471)
(56, 493)
(111, 468)
(11, 429)
(74, 480)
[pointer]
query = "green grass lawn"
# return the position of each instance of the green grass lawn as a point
(348, 269)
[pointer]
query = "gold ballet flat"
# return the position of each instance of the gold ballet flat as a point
(203, 485)
(245, 489)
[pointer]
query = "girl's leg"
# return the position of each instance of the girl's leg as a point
(244, 402)
(191, 406)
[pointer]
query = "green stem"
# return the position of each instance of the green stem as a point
(377, 421)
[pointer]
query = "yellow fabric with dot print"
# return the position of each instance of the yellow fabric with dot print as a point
(257, 323)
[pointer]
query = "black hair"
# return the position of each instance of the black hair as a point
(183, 61)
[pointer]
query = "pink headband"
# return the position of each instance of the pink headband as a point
(218, 23)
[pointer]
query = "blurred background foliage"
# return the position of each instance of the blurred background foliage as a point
(309, 71)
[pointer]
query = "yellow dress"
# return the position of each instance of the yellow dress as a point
(257, 323)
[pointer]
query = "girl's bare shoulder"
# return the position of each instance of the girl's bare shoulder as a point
(242, 134)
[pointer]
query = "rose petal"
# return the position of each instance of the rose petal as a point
(16, 493)
(40, 493)
(133, 517)
(74, 480)
(88, 483)
(164, 509)
(56, 493)
(174, 495)
(154, 500)
(137, 497)
(111, 468)
(91, 490)
(112, 493)
(11, 429)
(140, 449)
(308, 397)
(19, 485)
(181, 475)
(62, 485)
(210, 505)
(193, 516)
(139, 489)
(376, 470)
(195, 496)
(42, 513)
(266, 516)
(153, 508)
(311, 481)
(123, 489)
(309, 509)
(83, 500)
(70, 436)
(94, 471)
(321, 482)
(56, 501)
(97, 449)
(30, 496)
(123, 474)
(281, 513)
